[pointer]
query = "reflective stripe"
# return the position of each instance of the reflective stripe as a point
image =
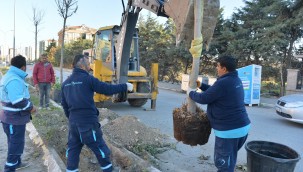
(16, 101)
(72, 170)
(28, 104)
(11, 109)
(102, 153)
(80, 138)
(66, 153)
(11, 164)
(16, 109)
(106, 167)
(94, 135)
(11, 131)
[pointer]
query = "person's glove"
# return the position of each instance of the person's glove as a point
(189, 90)
(130, 86)
(198, 84)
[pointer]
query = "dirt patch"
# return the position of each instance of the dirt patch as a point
(130, 132)
(133, 145)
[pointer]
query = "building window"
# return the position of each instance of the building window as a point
(83, 36)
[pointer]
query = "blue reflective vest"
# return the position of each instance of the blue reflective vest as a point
(14, 96)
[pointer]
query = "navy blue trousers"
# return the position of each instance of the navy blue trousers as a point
(226, 151)
(91, 136)
(15, 140)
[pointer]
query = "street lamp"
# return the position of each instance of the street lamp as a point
(14, 43)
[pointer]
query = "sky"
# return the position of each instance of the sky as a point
(92, 13)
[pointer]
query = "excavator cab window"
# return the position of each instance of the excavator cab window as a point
(133, 58)
(105, 50)
(133, 64)
(102, 46)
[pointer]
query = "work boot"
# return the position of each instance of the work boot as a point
(22, 165)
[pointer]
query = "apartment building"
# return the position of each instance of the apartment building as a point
(73, 33)
(44, 44)
(28, 52)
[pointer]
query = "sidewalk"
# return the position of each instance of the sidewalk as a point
(32, 154)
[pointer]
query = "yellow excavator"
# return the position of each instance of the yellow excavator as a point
(115, 51)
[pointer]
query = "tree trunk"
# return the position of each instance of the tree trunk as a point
(36, 38)
(282, 71)
(62, 51)
(198, 7)
(186, 66)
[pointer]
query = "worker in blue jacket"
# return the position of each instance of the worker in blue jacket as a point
(16, 111)
(78, 104)
(226, 113)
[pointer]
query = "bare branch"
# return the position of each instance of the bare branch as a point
(66, 8)
(37, 16)
(37, 19)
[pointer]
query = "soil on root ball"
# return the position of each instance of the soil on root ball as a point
(191, 129)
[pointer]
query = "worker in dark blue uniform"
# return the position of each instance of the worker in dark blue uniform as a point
(16, 111)
(78, 104)
(226, 113)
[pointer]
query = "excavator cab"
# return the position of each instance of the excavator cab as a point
(104, 48)
(105, 66)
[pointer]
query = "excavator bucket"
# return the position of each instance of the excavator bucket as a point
(182, 12)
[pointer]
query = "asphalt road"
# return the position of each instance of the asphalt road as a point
(266, 126)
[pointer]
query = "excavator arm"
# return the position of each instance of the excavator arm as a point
(128, 25)
(183, 15)
(181, 11)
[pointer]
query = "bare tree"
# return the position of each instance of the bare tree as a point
(37, 19)
(66, 8)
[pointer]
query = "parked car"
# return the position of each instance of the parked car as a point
(290, 107)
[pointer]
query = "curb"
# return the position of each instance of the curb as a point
(51, 158)
(171, 89)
